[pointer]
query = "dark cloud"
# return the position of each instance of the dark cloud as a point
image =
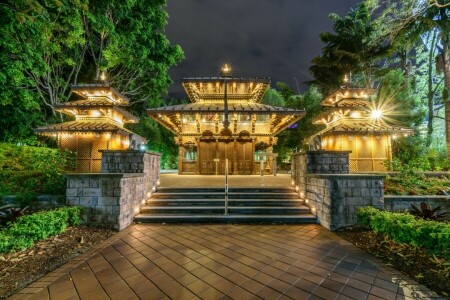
(264, 38)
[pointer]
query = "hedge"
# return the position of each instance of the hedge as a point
(405, 228)
(28, 229)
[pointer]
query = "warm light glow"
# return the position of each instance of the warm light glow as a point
(296, 188)
(345, 78)
(136, 209)
(306, 201)
(355, 114)
(96, 113)
(302, 194)
(143, 201)
(102, 76)
(313, 210)
(376, 114)
(184, 120)
(108, 135)
(154, 188)
(126, 143)
(394, 136)
(149, 194)
(226, 69)
(292, 182)
(158, 182)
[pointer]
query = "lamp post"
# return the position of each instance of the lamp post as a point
(226, 73)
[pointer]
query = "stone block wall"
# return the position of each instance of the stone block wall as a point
(403, 203)
(334, 199)
(327, 162)
(334, 195)
(113, 197)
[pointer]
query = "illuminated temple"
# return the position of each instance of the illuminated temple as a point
(98, 125)
(354, 123)
(225, 120)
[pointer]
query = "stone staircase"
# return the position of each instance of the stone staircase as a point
(206, 205)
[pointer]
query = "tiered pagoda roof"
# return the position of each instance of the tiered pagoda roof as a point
(98, 112)
(243, 98)
(351, 110)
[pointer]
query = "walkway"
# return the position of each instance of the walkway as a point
(223, 262)
(175, 180)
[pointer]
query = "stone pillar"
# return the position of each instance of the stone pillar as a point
(328, 162)
(333, 195)
(114, 197)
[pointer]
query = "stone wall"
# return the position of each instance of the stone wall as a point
(403, 203)
(114, 197)
(327, 162)
(334, 195)
(334, 199)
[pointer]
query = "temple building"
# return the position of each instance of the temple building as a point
(225, 120)
(354, 123)
(98, 125)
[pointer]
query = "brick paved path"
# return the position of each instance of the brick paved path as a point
(223, 262)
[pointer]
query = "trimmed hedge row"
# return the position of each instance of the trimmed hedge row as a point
(405, 228)
(28, 229)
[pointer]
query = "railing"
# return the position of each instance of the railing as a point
(226, 188)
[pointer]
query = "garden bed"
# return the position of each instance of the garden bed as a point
(23, 267)
(429, 270)
(416, 184)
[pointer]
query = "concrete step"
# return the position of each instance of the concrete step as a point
(221, 195)
(250, 210)
(222, 189)
(221, 201)
(220, 218)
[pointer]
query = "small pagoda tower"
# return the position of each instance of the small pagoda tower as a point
(98, 125)
(225, 121)
(353, 123)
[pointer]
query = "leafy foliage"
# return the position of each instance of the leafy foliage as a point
(405, 228)
(427, 213)
(28, 171)
(48, 45)
(9, 213)
(30, 228)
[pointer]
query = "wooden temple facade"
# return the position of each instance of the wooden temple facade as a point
(353, 122)
(225, 120)
(98, 125)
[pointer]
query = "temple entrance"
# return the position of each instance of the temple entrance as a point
(213, 153)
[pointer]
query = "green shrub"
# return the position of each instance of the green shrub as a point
(405, 228)
(30, 228)
(28, 171)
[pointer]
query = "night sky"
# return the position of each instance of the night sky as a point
(264, 38)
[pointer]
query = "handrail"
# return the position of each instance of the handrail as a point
(226, 187)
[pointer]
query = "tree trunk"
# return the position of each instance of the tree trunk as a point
(430, 94)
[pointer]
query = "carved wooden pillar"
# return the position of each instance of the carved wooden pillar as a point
(235, 163)
(180, 159)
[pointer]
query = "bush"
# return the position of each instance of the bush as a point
(405, 228)
(30, 228)
(29, 171)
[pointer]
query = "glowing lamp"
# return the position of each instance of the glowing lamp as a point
(226, 70)
(296, 188)
(292, 182)
(376, 114)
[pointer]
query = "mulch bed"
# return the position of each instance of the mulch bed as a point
(429, 270)
(19, 269)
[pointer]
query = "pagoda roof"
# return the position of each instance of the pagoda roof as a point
(100, 90)
(242, 107)
(363, 126)
(89, 104)
(83, 126)
(348, 96)
(239, 89)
